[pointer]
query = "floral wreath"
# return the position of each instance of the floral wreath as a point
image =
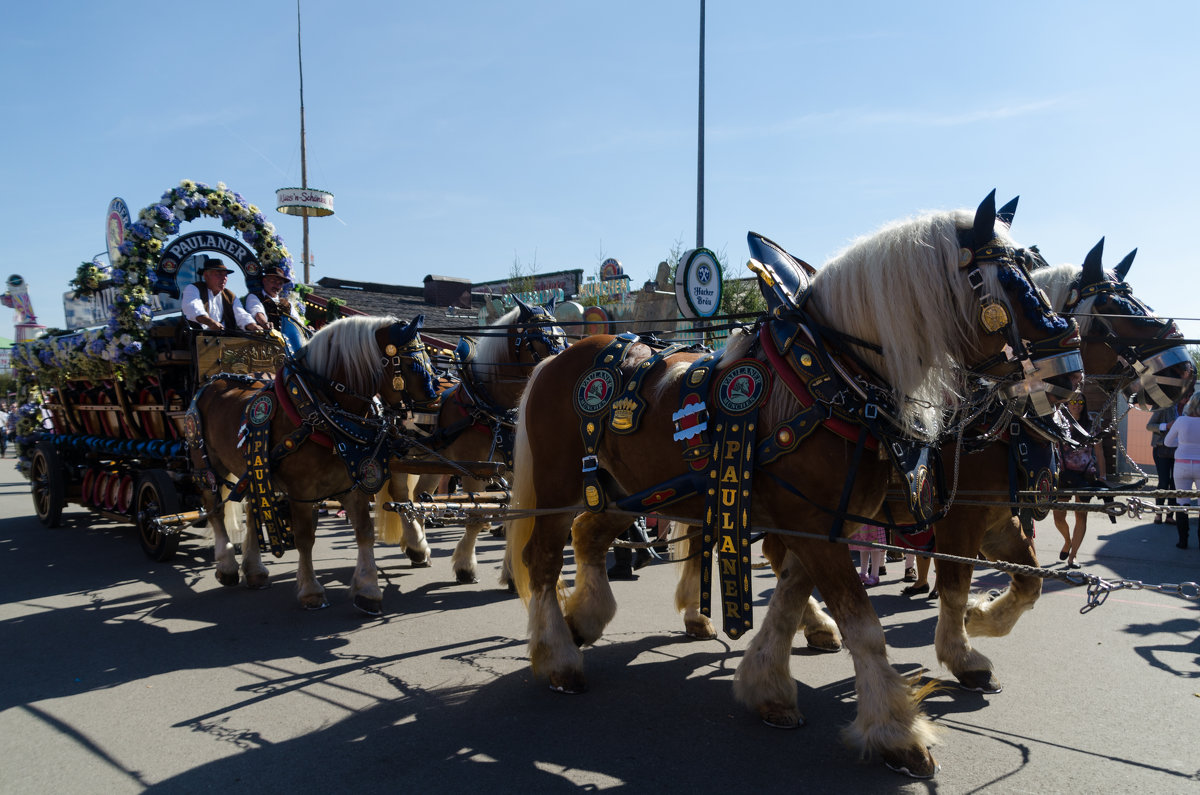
(121, 348)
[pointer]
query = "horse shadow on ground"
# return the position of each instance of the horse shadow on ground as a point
(1186, 631)
(137, 618)
(517, 736)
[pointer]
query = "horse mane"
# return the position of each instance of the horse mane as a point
(347, 349)
(1056, 281)
(492, 349)
(901, 289)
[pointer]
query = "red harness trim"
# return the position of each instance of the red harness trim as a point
(460, 401)
(289, 408)
(783, 369)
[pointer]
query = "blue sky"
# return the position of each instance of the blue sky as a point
(461, 137)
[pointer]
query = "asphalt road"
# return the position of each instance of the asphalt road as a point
(122, 675)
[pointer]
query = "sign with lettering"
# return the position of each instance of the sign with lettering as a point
(698, 283)
(170, 264)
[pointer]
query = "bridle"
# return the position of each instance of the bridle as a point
(538, 326)
(1035, 362)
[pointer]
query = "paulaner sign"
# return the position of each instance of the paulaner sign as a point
(187, 245)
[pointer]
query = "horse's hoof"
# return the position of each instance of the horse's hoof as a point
(259, 581)
(229, 579)
(368, 606)
(571, 683)
(465, 577)
(823, 641)
(979, 682)
(778, 716)
(314, 604)
(914, 762)
(700, 630)
(420, 560)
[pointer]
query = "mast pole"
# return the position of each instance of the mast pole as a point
(303, 157)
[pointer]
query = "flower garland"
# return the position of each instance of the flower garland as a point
(121, 349)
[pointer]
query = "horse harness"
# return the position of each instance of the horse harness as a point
(364, 443)
(719, 401)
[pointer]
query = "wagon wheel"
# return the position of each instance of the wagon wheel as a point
(49, 486)
(155, 495)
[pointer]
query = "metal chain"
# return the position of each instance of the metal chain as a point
(1097, 591)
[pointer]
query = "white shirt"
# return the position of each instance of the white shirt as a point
(194, 306)
(1184, 436)
(254, 306)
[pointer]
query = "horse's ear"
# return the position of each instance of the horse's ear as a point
(1006, 213)
(526, 310)
(1122, 269)
(402, 333)
(549, 305)
(984, 228)
(1093, 268)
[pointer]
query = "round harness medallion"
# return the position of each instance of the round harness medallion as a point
(260, 409)
(743, 387)
(371, 475)
(594, 391)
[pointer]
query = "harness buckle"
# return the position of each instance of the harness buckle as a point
(870, 411)
(590, 463)
(975, 278)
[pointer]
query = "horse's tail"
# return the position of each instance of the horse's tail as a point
(389, 525)
(519, 530)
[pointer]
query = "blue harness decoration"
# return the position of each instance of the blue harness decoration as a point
(741, 390)
(593, 394)
(274, 532)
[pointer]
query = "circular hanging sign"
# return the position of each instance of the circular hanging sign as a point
(698, 283)
(304, 201)
(116, 221)
(611, 269)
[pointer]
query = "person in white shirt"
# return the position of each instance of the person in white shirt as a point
(211, 304)
(1184, 436)
(267, 305)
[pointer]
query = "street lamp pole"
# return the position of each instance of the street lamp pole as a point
(700, 144)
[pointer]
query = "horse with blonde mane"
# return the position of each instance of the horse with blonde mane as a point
(323, 435)
(919, 303)
(475, 422)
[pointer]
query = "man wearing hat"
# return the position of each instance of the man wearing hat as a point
(211, 304)
(267, 305)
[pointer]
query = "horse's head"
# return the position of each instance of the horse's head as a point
(536, 333)
(1125, 345)
(407, 370)
(1020, 339)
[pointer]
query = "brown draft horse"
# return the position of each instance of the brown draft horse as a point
(1121, 338)
(475, 422)
(344, 366)
(901, 292)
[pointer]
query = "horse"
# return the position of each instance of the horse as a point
(1125, 349)
(475, 422)
(321, 435)
(921, 304)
